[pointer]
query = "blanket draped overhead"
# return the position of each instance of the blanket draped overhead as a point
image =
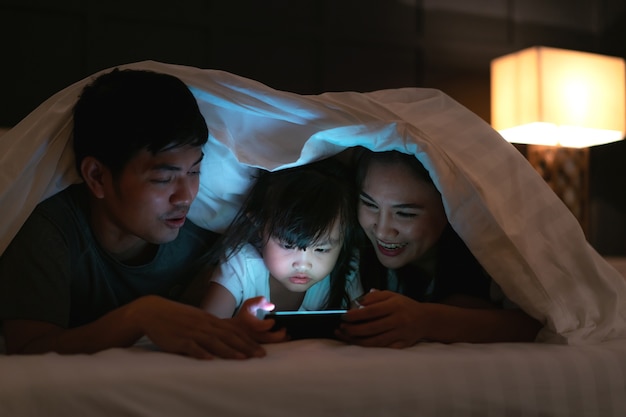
(518, 229)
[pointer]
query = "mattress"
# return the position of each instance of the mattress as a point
(318, 377)
(322, 377)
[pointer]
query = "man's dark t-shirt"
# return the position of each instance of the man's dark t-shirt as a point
(55, 271)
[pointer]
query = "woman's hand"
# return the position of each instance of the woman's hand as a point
(392, 320)
(385, 319)
(259, 329)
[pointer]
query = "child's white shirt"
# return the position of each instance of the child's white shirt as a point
(245, 276)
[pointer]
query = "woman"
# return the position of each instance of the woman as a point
(423, 282)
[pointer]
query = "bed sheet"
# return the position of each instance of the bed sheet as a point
(325, 378)
(319, 377)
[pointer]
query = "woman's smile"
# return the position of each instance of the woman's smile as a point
(390, 249)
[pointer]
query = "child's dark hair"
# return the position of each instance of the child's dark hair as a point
(124, 111)
(299, 206)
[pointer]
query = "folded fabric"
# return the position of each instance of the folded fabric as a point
(519, 230)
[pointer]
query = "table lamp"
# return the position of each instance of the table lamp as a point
(559, 102)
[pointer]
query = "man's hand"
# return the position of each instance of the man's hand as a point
(187, 330)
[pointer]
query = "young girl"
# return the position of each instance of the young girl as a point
(292, 243)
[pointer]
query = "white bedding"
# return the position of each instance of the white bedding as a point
(519, 230)
(313, 378)
(515, 225)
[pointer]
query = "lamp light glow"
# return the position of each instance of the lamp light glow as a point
(549, 96)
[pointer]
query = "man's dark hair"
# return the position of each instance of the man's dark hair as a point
(124, 111)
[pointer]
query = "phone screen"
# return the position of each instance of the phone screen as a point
(308, 324)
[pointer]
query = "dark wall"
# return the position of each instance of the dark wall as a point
(312, 46)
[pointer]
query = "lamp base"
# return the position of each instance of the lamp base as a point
(566, 170)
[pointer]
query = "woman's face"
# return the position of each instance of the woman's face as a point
(401, 214)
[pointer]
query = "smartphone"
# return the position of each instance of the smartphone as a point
(308, 324)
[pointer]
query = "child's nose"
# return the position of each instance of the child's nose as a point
(302, 261)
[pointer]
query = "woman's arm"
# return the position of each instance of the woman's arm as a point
(393, 320)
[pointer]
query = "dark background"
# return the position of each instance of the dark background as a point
(312, 46)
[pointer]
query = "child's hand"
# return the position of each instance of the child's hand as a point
(252, 306)
(259, 329)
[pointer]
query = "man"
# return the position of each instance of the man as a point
(101, 263)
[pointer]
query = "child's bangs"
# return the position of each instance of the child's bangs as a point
(305, 225)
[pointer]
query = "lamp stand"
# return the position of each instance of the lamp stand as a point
(566, 170)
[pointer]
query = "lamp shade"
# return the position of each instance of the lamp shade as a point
(550, 96)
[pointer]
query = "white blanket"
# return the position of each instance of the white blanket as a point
(519, 230)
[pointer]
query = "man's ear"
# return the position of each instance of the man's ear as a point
(93, 172)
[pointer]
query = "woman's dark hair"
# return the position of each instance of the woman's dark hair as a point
(124, 111)
(363, 157)
(299, 206)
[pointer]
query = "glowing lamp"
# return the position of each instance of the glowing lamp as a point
(549, 96)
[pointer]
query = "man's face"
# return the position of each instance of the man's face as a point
(149, 200)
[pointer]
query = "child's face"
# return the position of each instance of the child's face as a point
(297, 269)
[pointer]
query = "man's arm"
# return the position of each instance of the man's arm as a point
(198, 287)
(173, 326)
